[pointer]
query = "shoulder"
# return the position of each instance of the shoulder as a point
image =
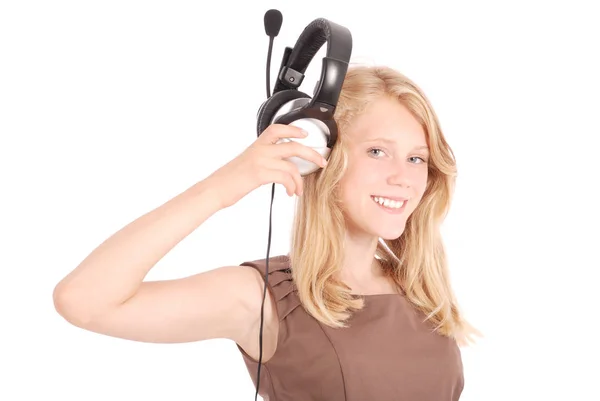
(276, 273)
(279, 263)
(273, 273)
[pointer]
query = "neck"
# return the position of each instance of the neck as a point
(360, 268)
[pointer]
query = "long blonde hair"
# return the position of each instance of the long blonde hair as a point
(416, 261)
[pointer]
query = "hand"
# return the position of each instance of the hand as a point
(264, 162)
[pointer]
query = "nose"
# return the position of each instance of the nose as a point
(399, 175)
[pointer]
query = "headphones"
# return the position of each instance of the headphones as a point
(288, 105)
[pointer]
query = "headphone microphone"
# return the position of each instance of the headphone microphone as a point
(287, 105)
(273, 20)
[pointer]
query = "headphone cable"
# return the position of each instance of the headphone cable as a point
(262, 307)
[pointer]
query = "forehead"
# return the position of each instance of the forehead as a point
(389, 120)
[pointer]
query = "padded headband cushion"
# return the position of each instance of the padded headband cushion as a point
(274, 103)
(338, 38)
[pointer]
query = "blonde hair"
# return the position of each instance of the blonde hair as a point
(416, 261)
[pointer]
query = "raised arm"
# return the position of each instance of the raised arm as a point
(107, 293)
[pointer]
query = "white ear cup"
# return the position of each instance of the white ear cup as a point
(317, 138)
(306, 167)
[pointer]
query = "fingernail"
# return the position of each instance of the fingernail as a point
(304, 133)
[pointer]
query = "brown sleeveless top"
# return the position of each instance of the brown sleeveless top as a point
(387, 354)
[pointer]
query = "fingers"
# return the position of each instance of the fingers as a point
(275, 168)
(289, 149)
(278, 176)
(287, 174)
(282, 172)
(295, 176)
(290, 184)
(275, 132)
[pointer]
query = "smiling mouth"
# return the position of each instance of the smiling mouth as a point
(389, 203)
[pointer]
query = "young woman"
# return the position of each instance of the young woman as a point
(360, 309)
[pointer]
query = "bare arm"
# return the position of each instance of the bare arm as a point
(220, 303)
(106, 292)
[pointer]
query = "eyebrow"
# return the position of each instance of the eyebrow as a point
(391, 142)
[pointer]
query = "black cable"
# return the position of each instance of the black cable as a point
(262, 307)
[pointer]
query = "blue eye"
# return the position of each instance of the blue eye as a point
(420, 158)
(374, 149)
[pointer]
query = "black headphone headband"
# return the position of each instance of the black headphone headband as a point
(335, 63)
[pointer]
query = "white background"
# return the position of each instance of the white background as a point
(108, 109)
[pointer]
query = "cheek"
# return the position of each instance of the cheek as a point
(345, 186)
(422, 180)
(355, 186)
(419, 182)
(356, 175)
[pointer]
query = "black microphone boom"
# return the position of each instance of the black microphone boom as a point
(273, 20)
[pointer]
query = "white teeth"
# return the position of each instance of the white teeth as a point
(392, 204)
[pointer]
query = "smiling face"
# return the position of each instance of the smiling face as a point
(387, 170)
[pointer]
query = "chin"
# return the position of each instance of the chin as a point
(391, 234)
(385, 231)
(388, 228)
